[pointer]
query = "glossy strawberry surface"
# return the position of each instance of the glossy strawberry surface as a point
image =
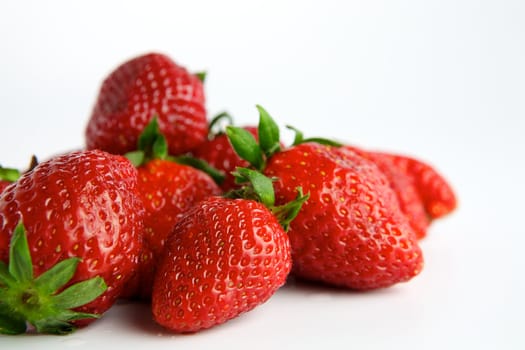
(137, 90)
(423, 194)
(225, 257)
(351, 232)
(436, 193)
(81, 204)
(3, 185)
(167, 190)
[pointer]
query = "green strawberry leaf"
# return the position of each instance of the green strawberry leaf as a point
(152, 144)
(10, 323)
(256, 185)
(160, 147)
(60, 324)
(262, 185)
(54, 326)
(80, 293)
(20, 264)
(9, 174)
(269, 138)
(149, 134)
(5, 276)
(287, 212)
(57, 276)
(245, 146)
(136, 157)
(24, 300)
(201, 76)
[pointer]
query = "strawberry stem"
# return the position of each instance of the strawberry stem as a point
(26, 300)
(215, 128)
(299, 138)
(152, 144)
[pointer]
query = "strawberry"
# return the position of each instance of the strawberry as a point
(423, 194)
(4, 184)
(225, 257)
(351, 231)
(435, 192)
(83, 219)
(218, 152)
(167, 190)
(148, 85)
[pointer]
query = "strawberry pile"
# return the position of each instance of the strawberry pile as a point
(203, 222)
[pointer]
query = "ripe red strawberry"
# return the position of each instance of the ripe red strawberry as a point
(148, 85)
(167, 190)
(351, 232)
(422, 193)
(4, 184)
(435, 192)
(83, 205)
(225, 256)
(219, 153)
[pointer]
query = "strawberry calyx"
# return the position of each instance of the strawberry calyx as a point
(247, 147)
(257, 186)
(152, 144)
(41, 302)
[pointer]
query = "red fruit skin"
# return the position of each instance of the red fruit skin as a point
(167, 190)
(148, 85)
(81, 204)
(351, 231)
(436, 193)
(219, 153)
(3, 185)
(423, 194)
(225, 257)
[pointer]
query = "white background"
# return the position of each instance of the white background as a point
(440, 80)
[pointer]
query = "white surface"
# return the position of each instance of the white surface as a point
(440, 80)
